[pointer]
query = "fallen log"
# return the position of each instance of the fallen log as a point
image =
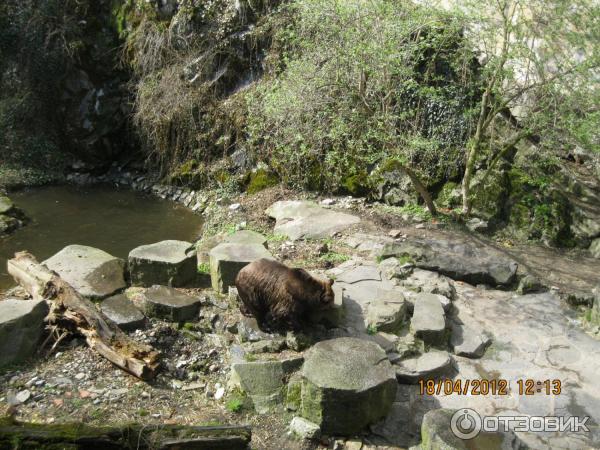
(71, 311)
(19, 435)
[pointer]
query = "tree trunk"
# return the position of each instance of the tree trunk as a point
(421, 189)
(16, 435)
(466, 182)
(76, 314)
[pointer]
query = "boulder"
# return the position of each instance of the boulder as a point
(304, 429)
(386, 341)
(431, 282)
(468, 342)
(347, 384)
(394, 187)
(122, 311)
(460, 260)
(169, 304)
(477, 225)
(246, 237)
(274, 345)
(371, 243)
(307, 220)
(530, 284)
(249, 331)
(393, 268)
(263, 381)
(8, 224)
(171, 263)
(409, 346)
(21, 326)
(431, 365)
(387, 312)
(6, 204)
(429, 320)
(227, 259)
(92, 272)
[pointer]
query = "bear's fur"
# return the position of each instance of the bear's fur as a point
(280, 297)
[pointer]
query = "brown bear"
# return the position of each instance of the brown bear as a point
(280, 297)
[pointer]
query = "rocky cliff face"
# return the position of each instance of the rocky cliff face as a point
(62, 90)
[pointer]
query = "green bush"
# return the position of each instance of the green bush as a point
(363, 81)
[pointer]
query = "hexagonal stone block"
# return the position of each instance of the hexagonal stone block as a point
(169, 304)
(21, 326)
(171, 263)
(122, 311)
(347, 384)
(429, 320)
(227, 259)
(431, 365)
(92, 272)
(263, 381)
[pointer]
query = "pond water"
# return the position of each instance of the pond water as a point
(114, 220)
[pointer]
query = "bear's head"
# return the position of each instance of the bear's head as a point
(327, 295)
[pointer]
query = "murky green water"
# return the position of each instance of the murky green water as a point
(113, 220)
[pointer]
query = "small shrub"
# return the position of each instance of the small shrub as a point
(372, 329)
(334, 258)
(204, 268)
(237, 401)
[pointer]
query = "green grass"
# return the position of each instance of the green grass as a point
(237, 401)
(234, 405)
(276, 238)
(371, 330)
(334, 257)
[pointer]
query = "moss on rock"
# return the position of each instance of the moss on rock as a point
(261, 179)
(358, 185)
(449, 197)
(537, 210)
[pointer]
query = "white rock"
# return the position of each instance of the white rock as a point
(220, 393)
(304, 429)
(23, 396)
